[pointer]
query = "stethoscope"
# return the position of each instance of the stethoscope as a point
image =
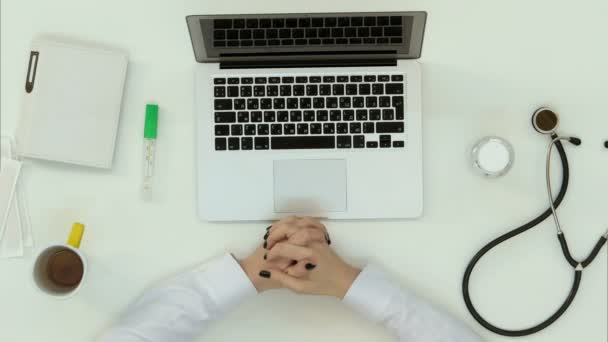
(545, 121)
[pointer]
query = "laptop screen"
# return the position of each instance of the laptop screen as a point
(384, 35)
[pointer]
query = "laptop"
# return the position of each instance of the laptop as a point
(308, 114)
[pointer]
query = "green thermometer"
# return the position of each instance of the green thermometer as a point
(150, 131)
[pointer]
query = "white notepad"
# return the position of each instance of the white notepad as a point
(72, 102)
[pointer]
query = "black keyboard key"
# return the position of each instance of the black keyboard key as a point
(315, 128)
(272, 34)
(331, 102)
(355, 127)
(385, 101)
(232, 34)
(292, 103)
(243, 116)
(225, 117)
(388, 114)
(260, 80)
(343, 41)
(318, 102)
(369, 21)
(368, 127)
(239, 103)
(392, 31)
(311, 33)
(358, 141)
(312, 89)
(396, 40)
(378, 89)
(219, 81)
(298, 90)
(390, 127)
(236, 130)
(338, 89)
(253, 104)
(375, 114)
(276, 129)
(369, 78)
(343, 21)
(348, 115)
(324, 33)
(305, 103)
(252, 23)
(246, 143)
(324, 89)
(308, 142)
(259, 91)
(262, 143)
(356, 21)
(344, 102)
(369, 41)
(383, 21)
(364, 89)
(351, 89)
(287, 42)
(317, 22)
(274, 80)
(284, 33)
(337, 32)
(358, 102)
(233, 91)
(372, 144)
(335, 115)
(265, 23)
(342, 79)
(309, 115)
(350, 32)
(330, 22)
(246, 42)
(301, 41)
(274, 42)
(239, 23)
(399, 107)
(356, 78)
(263, 129)
(222, 130)
(295, 115)
(256, 116)
(269, 116)
(377, 32)
(289, 129)
(301, 79)
(245, 34)
(385, 141)
(329, 79)
(222, 23)
(285, 90)
(314, 79)
(278, 22)
(398, 144)
(219, 43)
(247, 80)
(304, 22)
(249, 129)
(397, 78)
(297, 33)
(223, 104)
(382, 40)
(287, 79)
(282, 116)
(246, 91)
(355, 41)
(329, 128)
(394, 88)
(395, 20)
(342, 128)
(344, 141)
(272, 90)
(322, 115)
(383, 78)
(266, 103)
(302, 129)
(234, 144)
(371, 101)
(220, 144)
(291, 22)
(363, 32)
(361, 114)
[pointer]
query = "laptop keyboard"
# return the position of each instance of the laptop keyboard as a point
(309, 112)
(262, 32)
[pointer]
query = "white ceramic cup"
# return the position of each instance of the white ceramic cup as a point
(56, 277)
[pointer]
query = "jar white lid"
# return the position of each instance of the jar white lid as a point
(493, 156)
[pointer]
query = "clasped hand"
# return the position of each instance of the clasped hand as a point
(296, 255)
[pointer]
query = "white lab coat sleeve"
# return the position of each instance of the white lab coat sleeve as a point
(412, 319)
(180, 309)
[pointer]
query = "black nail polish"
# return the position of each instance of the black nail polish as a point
(266, 236)
(265, 244)
(265, 256)
(327, 238)
(293, 262)
(268, 227)
(310, 266)
(264, 274)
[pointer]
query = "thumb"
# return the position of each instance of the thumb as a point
(287, 281)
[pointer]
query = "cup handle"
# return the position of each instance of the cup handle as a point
(76, 235)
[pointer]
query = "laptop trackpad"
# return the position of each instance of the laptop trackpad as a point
(309, 186)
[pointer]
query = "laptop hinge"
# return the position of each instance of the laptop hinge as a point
(321, 63)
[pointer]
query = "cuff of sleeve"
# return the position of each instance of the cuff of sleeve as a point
(371, 293)
(227, 283)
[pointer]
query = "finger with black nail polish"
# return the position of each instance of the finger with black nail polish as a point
(310, 266)
(268, 228)
(266, 235)
(265, 244)
(265, 274)
(265, 256)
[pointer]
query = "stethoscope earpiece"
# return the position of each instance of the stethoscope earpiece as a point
(545, 121)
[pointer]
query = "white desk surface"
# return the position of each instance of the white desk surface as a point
(486, 66)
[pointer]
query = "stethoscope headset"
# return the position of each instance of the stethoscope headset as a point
(544, 121)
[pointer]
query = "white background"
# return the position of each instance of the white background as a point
(486, 66)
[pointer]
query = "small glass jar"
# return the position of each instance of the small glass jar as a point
(493, 156)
